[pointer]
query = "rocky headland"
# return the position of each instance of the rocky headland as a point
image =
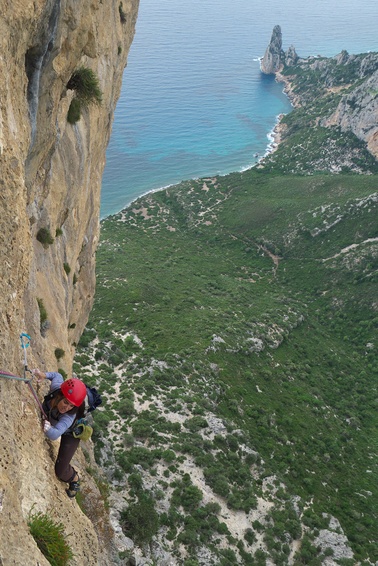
(338, 93)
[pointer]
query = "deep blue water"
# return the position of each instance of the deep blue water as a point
(194, 101)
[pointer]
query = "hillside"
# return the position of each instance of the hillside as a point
(233, 335)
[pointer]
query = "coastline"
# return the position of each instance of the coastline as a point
(277, 133)
(274, 136)
(288, 89)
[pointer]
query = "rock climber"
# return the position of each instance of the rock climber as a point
(64, 405)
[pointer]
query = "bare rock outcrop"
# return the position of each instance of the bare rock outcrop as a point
(334, 538)
(357, 112)
(358, 108)
(291, 56)
(272, 60)
(50, 176)
(274, 57)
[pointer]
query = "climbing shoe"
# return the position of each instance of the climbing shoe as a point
(73, 488)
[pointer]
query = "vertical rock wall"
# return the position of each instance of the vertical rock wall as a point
(50, 177)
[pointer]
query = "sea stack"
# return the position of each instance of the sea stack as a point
(274, 56)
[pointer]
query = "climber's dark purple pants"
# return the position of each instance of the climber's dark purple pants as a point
(68, 447)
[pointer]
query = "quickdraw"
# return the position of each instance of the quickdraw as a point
(25, 343)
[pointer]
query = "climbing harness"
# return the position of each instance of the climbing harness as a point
(25, 343)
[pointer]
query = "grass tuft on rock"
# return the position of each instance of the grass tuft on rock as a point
(50, 539)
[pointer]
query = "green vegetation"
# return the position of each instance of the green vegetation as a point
(233, 338)
(50, 539)
(308, 147)
(122, 14)
(74, 111)
(44, 236)
(85, 83)
(43, 320)
(87, 89)
(66, 268)
(59, 353)
(140, 520)
(259, 319)
(42, 312)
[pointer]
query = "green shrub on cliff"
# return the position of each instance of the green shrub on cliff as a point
(42, 311)
(50, 539)
(74, 111)
(67, 268)
(86, 85)
(122, 14)
(44, 237)
(59, 353)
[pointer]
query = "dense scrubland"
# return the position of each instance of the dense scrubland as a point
(234, 338)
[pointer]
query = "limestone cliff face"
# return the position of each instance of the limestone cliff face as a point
(358, 110)
(355, 78)
(50, 175)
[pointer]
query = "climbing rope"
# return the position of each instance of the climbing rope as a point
(8, 375)
(33, 392)
(25, 343)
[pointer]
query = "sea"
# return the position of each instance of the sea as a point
(194, 102)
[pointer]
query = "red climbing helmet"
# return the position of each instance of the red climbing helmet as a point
(74, 391)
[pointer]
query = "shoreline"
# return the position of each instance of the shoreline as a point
(288, 89)
(275, 135)
(277, 132)
(274, 139)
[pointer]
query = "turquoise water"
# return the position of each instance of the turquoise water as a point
(194, 101)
